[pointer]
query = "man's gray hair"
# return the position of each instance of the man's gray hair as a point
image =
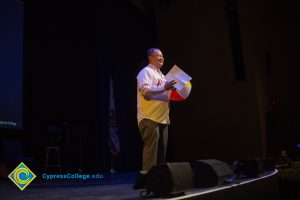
(151, 51)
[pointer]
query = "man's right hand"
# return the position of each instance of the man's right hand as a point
(169, 85)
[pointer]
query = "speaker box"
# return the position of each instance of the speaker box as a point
(250, 168)
(269, 164)
(169, 178)
(209, 173)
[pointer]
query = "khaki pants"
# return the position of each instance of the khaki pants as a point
(155, 137)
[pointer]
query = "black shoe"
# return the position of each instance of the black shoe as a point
(140, 181)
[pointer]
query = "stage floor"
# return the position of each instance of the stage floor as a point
(117, 186)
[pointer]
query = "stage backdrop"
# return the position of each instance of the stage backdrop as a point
(11, 64)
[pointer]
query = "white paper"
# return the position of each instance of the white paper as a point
(180, 77)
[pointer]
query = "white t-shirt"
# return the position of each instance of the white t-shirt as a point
(152, 99)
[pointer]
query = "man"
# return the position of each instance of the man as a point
(153, 95)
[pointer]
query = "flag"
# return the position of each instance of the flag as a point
(113, 142)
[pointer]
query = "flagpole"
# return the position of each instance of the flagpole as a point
(114, 144)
